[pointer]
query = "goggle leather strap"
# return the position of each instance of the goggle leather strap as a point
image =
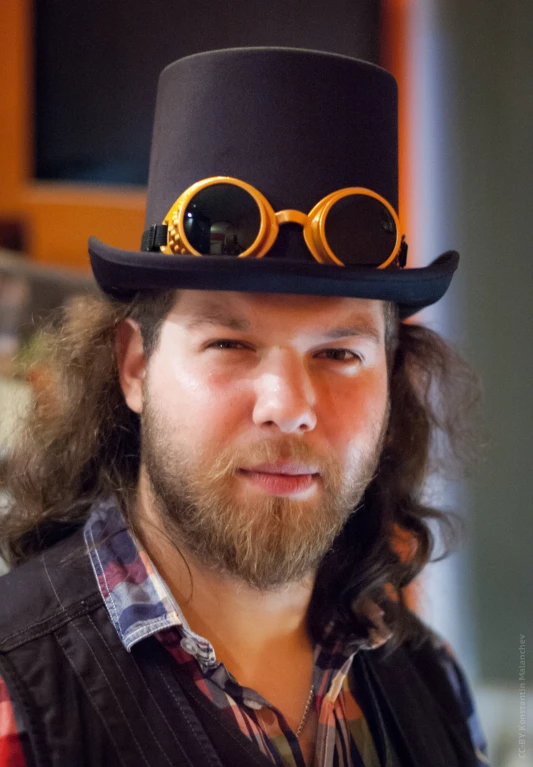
(155, 237)
(402, 254)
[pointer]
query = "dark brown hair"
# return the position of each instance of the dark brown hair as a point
(81, 442)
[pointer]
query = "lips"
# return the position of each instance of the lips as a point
(282, 467)
(282, 479)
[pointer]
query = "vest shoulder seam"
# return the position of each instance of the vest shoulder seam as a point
(52, 622)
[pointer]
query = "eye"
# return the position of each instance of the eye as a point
(225, 343)
(341, 355)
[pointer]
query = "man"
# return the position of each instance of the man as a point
(217, 502)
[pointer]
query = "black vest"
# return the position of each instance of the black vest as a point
(87, 702)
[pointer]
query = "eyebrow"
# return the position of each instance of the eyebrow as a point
(220, 318)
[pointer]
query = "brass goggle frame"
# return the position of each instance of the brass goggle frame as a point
(313, 224)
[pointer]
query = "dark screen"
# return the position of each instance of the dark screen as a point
(97, 65)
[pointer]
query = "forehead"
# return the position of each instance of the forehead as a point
(245, 311)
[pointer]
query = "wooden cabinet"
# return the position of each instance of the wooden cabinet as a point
(55, 218)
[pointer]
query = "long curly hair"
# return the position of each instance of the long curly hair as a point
(81, 442)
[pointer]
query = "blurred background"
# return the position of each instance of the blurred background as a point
(78, 83)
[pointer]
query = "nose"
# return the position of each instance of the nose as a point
(285, 396)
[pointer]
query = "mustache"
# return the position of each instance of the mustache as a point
(229, 461)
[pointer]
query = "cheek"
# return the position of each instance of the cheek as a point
(197, 404)
(353, 414)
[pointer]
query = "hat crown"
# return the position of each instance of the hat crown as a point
(295, 124)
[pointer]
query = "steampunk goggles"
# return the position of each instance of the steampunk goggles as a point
(223, 216)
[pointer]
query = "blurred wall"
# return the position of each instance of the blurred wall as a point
(490, 73)
(471, 121)
(95, 92)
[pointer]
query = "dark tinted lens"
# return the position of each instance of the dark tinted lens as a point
(222, 220)
(360, 230)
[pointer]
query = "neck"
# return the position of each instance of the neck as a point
(245, 626)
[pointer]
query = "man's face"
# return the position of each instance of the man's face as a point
(262, 422)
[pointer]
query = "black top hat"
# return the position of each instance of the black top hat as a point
(296, 125)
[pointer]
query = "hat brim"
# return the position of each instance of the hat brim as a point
(123, 273)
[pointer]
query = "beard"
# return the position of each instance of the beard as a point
(265, 541)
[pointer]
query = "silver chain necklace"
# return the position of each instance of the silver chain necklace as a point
(306, 711)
